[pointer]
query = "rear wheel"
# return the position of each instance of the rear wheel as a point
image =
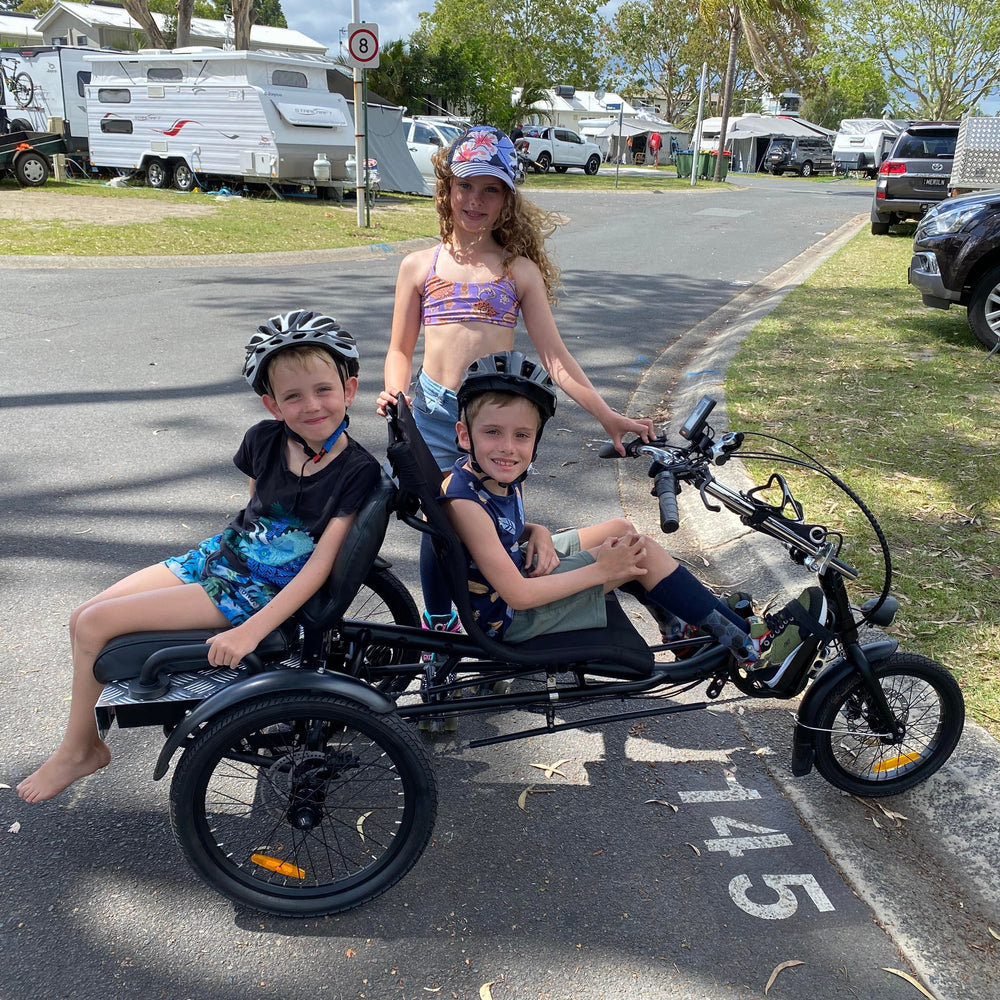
(854, 755)
(184, 179)
(806, 170)
(543, 163)
(593, 165)
(23, 89)
(302, 805)
(880, 228)
(31, 169)
(984, 309)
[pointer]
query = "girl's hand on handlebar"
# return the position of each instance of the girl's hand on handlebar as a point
(385, 397)
(227, 648)
(623, 558)
(619, 425)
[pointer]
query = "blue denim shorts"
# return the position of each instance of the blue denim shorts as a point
(235, 594)
(435, 412)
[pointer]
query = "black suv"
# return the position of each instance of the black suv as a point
(803, 155)
(956, 258)
(914, 175)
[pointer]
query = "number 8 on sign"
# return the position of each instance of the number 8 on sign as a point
(362, 45)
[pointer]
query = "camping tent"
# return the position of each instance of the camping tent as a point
(631, 126)
(386, 139)
(748, 136)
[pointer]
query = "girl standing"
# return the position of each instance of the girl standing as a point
(466, 293)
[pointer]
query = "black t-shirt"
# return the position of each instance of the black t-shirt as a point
(274, 535)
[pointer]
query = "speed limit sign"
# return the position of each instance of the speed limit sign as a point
(362, 45)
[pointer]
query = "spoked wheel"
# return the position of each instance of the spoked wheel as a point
(302, 805)
(384, 598)
(854, 754)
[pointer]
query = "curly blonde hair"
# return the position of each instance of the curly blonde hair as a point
(521, 229)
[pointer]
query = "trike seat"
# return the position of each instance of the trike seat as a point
(617, 650)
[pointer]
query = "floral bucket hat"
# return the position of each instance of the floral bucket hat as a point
(484, 149)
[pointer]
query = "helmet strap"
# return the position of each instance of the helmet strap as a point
(316, 456)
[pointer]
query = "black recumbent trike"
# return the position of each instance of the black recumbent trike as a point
(305, 786)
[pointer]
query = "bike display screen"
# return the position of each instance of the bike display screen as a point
(695, 423)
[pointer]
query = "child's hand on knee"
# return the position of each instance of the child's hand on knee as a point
(623, 557)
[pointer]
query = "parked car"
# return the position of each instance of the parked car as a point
(425, 138)
(802, 155)
(549, 146)
(915, 174)
(956, 259)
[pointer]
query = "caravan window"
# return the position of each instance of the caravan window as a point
(116, 125)
(288, 78)
(161, 73)
(114, 95)
(82, 79)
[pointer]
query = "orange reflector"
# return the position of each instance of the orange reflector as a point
(893, 762)
(274, 865)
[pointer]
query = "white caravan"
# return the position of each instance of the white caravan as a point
(189, 114)
(861, 144)
(47, 82)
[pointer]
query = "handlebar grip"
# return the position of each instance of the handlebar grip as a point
(607, 450)
(665, 488)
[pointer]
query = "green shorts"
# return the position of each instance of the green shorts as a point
(577, 611)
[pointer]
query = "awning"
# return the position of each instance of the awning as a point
(313, 115)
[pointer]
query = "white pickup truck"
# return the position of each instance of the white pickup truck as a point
(550, 146)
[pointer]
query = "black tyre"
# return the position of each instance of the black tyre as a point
(384, 598)
(23, 89)
(157, 174)
(19, 125)
(31, 169)
(777, 173)
(924, 698)
(880, 228)
(806, 170)
(984, 309)
(561, 169)
(184, 179)
(593, 165)
(543, 163)
(302, 805)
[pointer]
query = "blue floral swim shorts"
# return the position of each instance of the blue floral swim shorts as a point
(235, 594)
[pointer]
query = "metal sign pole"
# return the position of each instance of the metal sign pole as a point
(696, 144)
(359, 128)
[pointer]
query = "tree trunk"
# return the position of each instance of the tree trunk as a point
(138, 10)
(185, 9)
(243, 18)
(735, 27)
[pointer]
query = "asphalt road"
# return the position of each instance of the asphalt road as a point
(122, 403)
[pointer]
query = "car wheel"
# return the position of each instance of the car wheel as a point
(184, 179)
(157, 174)
(31, 169)
(593, 165)
(544, 161)
(984, 309)
(561, 169)
(806, 170)
(777, 172)
(880, 228)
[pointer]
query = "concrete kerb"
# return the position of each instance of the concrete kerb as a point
(951, 817)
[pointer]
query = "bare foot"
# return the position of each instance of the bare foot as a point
(61, 770)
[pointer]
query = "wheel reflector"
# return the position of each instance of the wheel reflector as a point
(893, 762)
(274, 865)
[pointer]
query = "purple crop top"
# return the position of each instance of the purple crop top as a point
(468, 301)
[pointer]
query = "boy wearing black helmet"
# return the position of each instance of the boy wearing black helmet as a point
(307, 481)
(523, 581)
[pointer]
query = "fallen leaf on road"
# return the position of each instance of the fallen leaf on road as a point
(660, 802)
(911, 981)
(779, 969)
(485, 993)
(551, 769)
(993, 933)
(522, 799)
(14, 827)
(693, 848)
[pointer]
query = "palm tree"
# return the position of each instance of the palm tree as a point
(762, 23)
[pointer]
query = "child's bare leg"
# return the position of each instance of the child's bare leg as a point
(657, 561)
(152, 599)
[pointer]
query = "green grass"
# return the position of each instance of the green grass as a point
(903, 404)
(233, 226)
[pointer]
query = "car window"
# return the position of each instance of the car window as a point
(925, 147)
(450, 132)
(533, 131)
(778, 144)
(423, 134)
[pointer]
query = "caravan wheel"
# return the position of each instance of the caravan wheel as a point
(183, 177)
(157, 174)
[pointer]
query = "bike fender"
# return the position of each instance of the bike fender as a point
(803, 738)
(260, 685)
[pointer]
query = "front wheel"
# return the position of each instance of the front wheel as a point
(303, 805)
(23, 89)
(157, 174)
(984, 309)
(806, 170)
(855, 756)
(593, 165)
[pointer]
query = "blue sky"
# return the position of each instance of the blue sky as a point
(395, 18)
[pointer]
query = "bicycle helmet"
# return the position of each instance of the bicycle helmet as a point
(509, 372)
(290, 330)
